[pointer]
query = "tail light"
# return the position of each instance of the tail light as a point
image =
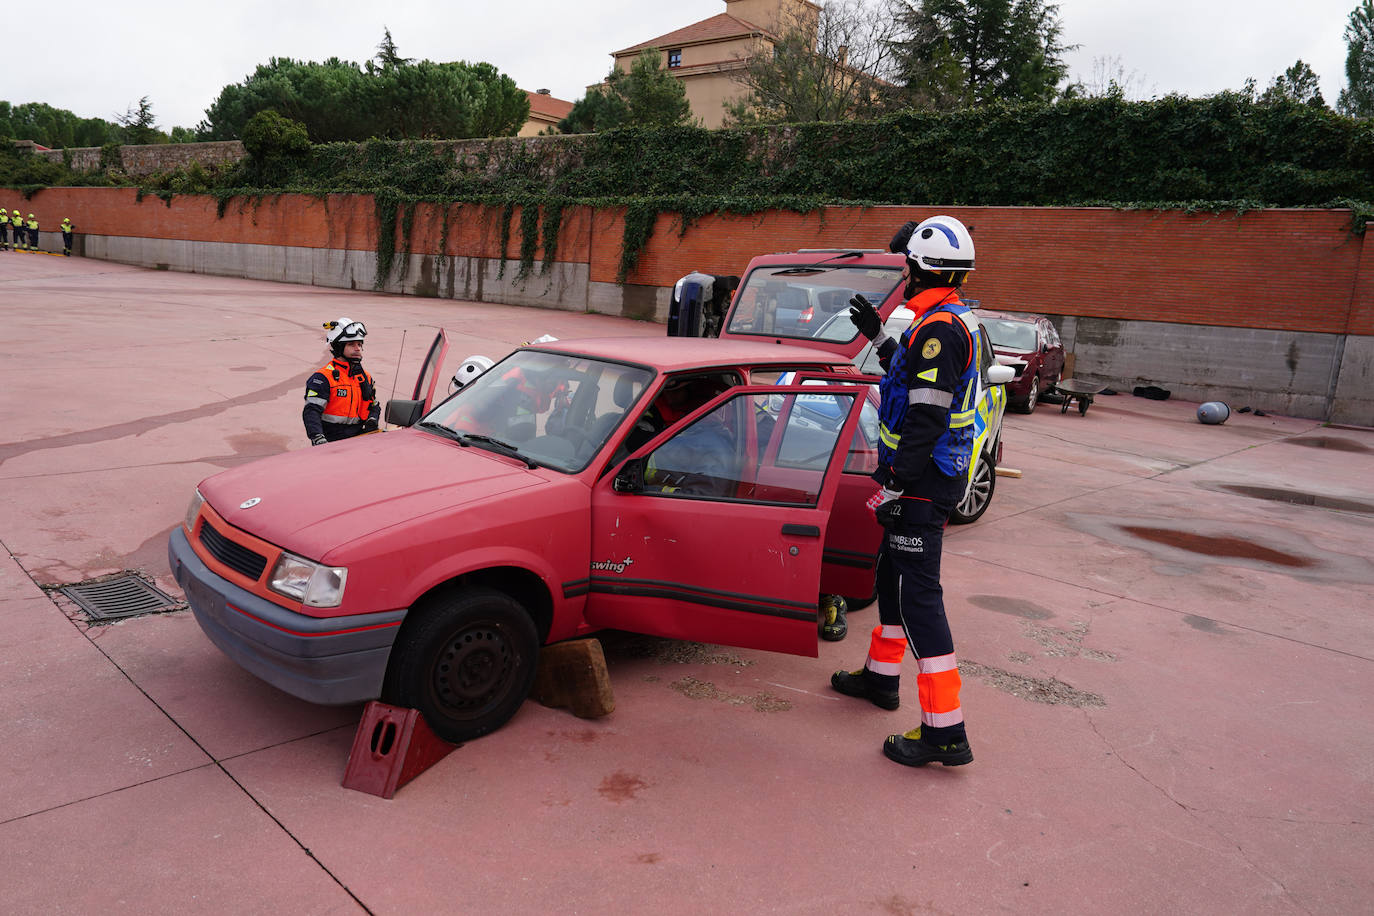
(807, 314)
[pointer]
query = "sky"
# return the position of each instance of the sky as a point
(97, 59)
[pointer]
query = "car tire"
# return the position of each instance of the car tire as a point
(979, 495)
(1032, 396)
(467, 661)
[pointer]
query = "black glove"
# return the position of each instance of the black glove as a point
(889, 514)
(319, 440)
(865, 316)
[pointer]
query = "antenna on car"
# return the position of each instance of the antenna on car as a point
(397, 374)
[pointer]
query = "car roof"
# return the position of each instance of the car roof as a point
(675, 354)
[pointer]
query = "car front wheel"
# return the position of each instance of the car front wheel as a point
(467, 662)
(979, 495)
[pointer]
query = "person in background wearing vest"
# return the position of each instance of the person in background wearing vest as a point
(341, 398)
(4, 229)
(67, 236)
(929, 395)
(21, 235)
(33, 233)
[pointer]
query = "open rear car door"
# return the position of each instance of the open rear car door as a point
(714, 530)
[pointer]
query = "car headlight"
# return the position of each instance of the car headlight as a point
(311, 584)
(192, 511)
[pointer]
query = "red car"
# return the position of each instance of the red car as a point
(636, 484)
(1030, 345)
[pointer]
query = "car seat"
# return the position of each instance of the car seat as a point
(626, 389)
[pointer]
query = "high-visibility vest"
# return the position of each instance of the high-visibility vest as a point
(4, 218)
(33, 224)
(348, 404)
(954, 449)
(66, 225)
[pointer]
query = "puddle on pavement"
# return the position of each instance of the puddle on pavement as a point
(1212, 546)
(1299, 498)
(1334, 443)
(1016, 607)
(1204, 624)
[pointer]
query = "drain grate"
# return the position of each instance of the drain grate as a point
(127, 596)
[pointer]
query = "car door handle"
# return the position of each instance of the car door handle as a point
(802, 531)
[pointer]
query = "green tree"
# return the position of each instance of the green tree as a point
(595, 111)
(339, 100)
(823, 68)
(953, 53)
(140, 126)
(1357, 98)
(387, 56)
(1296, 84)
(646, 95)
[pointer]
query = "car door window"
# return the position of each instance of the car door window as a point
(756, 447)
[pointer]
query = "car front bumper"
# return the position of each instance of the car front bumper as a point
(331, 661)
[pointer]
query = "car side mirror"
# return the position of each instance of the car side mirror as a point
(1000, 374)
(631, 477)
(404, 413)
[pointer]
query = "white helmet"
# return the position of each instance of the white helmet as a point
(343, 331)
(472, 367)
(939, 244)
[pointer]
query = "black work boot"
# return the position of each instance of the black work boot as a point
(860, 684)
(912, 750)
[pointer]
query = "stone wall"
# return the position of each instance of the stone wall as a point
(145, 160)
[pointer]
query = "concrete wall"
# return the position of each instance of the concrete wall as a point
(1192, 303)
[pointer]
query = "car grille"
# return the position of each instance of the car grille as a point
(235, 556)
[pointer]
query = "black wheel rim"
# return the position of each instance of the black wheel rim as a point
(473, 670)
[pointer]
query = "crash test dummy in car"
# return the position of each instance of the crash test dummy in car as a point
(929, 394)
(340, 397)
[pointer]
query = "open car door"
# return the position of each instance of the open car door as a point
(427, 383)
(713, 530)
(853, 536)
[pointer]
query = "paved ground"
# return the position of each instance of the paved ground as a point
(1165, 631)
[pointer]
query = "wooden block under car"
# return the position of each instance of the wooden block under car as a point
(573, 676)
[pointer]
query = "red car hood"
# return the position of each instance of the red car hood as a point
(312, 501)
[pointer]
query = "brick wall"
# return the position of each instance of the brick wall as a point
(1285, 270)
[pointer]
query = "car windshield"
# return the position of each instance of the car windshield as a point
(552, 409)
(807, 302)
(1010, 334)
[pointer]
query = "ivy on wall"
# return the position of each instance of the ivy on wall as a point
(1223, 152)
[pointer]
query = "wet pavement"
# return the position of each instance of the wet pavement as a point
(1164, 630)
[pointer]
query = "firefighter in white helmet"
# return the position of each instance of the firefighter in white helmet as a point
(341, 398)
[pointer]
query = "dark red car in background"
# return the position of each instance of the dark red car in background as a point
(1030, 345)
